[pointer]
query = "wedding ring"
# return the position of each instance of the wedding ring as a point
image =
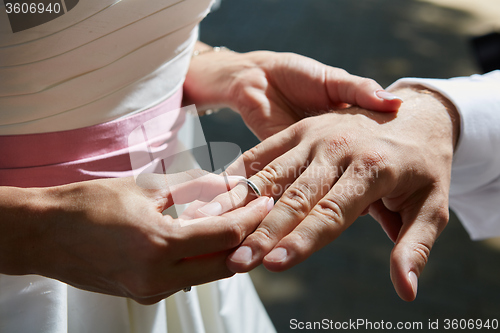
(187, 289)
(250, 184)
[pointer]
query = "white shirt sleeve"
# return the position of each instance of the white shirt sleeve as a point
(475, 176)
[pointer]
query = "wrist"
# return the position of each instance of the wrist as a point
(205, 83)
(215, 76)
(450, 109)
(200, 48)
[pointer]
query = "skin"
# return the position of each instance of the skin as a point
(109, 236)
(272, 91)
(329, 169)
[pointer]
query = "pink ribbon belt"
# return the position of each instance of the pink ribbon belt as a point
(99, 151)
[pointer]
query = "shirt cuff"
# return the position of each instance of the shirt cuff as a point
(475, 177)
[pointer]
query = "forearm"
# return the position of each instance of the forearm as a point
(20, 213)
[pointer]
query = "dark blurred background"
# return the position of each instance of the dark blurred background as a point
(384, 40)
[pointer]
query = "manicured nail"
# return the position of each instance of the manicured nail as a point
(212, 209)
(414, 282)
(277, 255)
(234, 180)
(270, 204)
(382, 94)
(242, 255)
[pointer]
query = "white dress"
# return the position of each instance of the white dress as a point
(103, 60)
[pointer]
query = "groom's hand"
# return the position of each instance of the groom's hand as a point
(328, 170)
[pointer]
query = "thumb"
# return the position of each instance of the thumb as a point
(343, 87)
(412, 249)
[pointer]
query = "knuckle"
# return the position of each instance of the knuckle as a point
(241, 87)
(373, 159)
(417, 251)
(342, 72)
(423, 251)
(373, 164)
(270, 174)
(298, 244)
(336, 75)
(262, 235)
(238, 195)
(441, 216)
(296, 200)
(367, 83)
(234, 235)
(331, 209)
(339, 144)
(251, 159)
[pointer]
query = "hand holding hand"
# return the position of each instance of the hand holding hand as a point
(110, 236)
(329, 169)
(273, 90)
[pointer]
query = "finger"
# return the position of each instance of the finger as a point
(218, 233)
(153, 181)
(343, 87)
(271, 181)
(202, 269)
(255, 159)
(185, 187)
(186, 273)
(355, 190)
(191, 211)
(421, 227)
(250, 163)
(203, 188)
(389, 221)
(225, 202)
(293, 206)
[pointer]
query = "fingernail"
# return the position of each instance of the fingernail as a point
(414, 282)
(242, 255)
(212, 209)
(259, 202)
(277, 255)
(270, 204)
(382, 94)
(234, 180)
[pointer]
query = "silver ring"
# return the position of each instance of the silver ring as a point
(187, 289)
(250, 184)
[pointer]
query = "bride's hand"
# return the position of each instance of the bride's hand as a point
(109, 236)
(273, 90)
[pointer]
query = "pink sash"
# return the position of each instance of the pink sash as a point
(99, 151)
